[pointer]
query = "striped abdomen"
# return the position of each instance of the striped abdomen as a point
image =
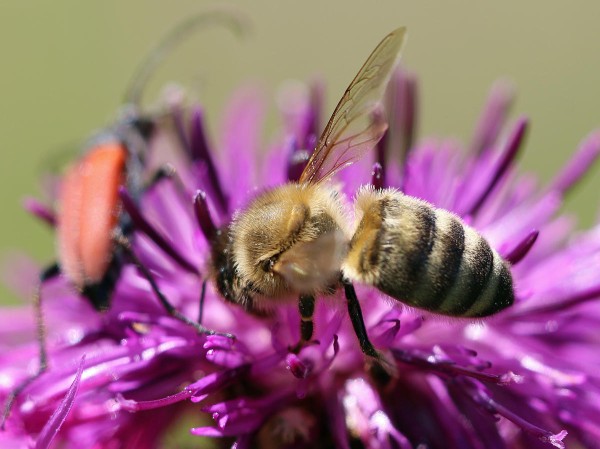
(426, 257)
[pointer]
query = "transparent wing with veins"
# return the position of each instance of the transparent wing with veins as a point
(357, 122)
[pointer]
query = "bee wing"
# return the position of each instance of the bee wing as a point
(357, 122)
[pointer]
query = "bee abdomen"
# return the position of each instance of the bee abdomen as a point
(482, 284)
(427, 258)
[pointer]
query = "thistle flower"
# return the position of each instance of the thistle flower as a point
(125, 378)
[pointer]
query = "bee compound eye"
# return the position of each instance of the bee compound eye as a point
(267, 264)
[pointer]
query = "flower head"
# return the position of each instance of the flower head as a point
(123, 378)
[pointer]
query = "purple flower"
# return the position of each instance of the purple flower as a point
(125, 378)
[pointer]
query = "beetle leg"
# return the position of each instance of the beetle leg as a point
(166, 172)
(135, 220)
(163, 172)
(48, 273)
(124, 243)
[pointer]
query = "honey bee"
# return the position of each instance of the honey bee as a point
(294, 241)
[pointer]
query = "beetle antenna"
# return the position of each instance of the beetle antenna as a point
(232, 21)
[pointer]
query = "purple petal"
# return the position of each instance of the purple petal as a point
(144, 226)
(57, 419)
(522, 248)
(579, 164)
(493, 117)
(39, 210)
(509, 152)
(199, 149)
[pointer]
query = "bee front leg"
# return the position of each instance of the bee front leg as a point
(306, 307)
(307, 310)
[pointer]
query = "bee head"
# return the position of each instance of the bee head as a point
(288, 241)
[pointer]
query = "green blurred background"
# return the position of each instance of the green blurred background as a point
(65, 66)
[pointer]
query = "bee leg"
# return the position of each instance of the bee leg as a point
(49, 273)
(306, 306)
(124, 243)
(381, 369)
(307, 309)
(358, 323)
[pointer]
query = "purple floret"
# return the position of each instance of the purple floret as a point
(124, 378)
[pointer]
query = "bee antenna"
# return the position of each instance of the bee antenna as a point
(235, 22)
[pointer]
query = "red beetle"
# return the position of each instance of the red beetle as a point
(89, 204)
(89, 224)
(91, 228)
(89, 213)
